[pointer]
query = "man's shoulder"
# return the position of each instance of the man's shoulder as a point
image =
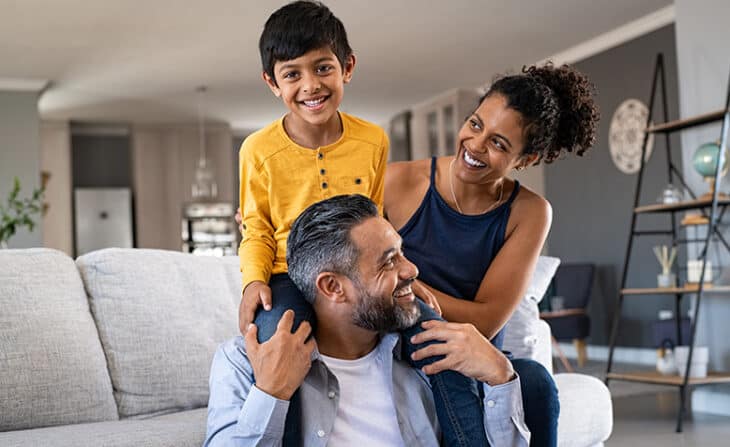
(232, 354)
(362, 130)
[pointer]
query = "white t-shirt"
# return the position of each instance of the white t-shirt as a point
(366, 412)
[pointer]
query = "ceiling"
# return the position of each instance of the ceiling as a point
(140, 61)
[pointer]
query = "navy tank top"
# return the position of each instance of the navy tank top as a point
(451, 250)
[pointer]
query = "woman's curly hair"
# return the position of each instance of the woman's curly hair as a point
(557, 107)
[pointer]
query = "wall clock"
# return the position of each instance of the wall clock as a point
(626, 135)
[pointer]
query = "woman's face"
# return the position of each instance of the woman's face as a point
(490, 142)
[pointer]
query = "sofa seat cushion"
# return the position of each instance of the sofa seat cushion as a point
(52, 367)
(161, 315)
(586, 411)
(183, 429)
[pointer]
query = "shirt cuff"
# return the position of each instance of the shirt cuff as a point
(504, 413)
(264, 414)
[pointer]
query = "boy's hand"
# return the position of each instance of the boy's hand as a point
(281, 363)
(239, 220)
(465, 349)
(254, 295)
(425, 295)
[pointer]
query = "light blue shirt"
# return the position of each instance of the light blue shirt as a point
(240, 414)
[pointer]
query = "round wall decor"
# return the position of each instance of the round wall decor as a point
(626, 135)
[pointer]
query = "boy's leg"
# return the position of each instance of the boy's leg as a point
(456, 397)
(285, 295)
(540, 401)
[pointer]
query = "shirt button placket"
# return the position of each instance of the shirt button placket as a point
(324, 184)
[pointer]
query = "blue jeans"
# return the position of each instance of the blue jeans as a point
(457, 398)
(540, 401)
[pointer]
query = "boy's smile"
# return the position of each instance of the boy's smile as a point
(312, 88)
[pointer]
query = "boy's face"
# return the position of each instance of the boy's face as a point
(312, 85)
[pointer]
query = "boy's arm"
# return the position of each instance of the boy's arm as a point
(256, 252)
(376, 192)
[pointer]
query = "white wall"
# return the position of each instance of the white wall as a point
(163, 163)
(56, 160)
(20, 154)
(703, 34)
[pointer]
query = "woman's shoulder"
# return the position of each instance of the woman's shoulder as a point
(405, 175)
(529, 205)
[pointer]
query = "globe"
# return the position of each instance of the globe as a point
(705, 160)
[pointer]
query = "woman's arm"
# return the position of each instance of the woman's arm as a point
(508, 276)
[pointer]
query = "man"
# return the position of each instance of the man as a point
(355, 387)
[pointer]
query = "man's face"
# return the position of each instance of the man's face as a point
(382, 288)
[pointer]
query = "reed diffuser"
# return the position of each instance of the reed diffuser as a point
(666, 257)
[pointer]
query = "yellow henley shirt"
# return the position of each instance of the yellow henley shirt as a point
(279, 179)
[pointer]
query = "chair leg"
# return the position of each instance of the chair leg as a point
(580, 348)
(561, 356)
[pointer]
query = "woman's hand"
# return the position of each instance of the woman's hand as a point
(425, 295)
(465, 350)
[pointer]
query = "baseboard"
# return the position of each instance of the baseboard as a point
(707, 399)
(641, 356)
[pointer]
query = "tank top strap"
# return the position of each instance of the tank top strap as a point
(512, 196)
(433, 171)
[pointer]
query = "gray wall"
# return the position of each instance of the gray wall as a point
(702, 48)
(592, 200)
(20, 154)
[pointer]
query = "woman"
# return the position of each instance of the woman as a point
(474, 233)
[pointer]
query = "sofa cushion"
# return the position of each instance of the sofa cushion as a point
(521, 333)
(161, 316)
(52, 367)
(183, 429)
(586, 411)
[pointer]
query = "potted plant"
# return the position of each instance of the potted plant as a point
(17, 212)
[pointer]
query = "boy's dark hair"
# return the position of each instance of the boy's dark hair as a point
(319, 240)
(298, 27)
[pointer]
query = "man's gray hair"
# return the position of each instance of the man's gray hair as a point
(319, 240)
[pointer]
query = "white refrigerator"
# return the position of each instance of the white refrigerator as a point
(102, 219)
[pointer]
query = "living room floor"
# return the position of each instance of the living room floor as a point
(647, 414)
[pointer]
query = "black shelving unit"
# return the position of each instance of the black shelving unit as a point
(716, 207)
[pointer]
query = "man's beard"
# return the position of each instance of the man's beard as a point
(384, 313)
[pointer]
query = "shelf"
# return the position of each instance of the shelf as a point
(673, 126)
(658, 379)
(562, 313)
(681, 206)
(708, 288)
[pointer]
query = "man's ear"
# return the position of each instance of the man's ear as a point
(348, 69)
(271, 83)
(330, 286)
(528, 160)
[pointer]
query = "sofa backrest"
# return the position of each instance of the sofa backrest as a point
(52, 367)
(522, 331)
(161, 315)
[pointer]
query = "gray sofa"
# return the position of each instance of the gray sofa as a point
(114, 349)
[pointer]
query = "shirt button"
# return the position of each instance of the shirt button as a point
(324, 185)
(331, 394)
(320, 155)
(322, 171)
(320, 433)
(491, 404)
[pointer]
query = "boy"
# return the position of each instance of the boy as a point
(315, 152)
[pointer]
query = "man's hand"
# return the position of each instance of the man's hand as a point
(254, 295)
(425, 295)
(239, 220)
(465, 349)
(281, 363)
